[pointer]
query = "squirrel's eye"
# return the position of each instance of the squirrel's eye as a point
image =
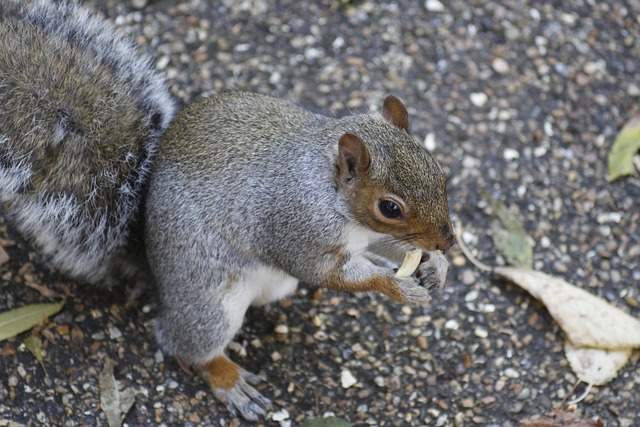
(389, 209)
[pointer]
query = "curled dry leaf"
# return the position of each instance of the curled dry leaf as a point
(588, 321)
(600, 337)
(562, 419)
(410, 263)
(596, 366)
(114, 400)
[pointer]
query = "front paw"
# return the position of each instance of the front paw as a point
(432, 271)
(410, 290)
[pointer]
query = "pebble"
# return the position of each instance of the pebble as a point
(481, 332)
(280, 415)
(434, 6)
(347, 379)
(511, 373)
(479, 99)
(500, 65)
(282, 329)
(452, 324)
(510, 154)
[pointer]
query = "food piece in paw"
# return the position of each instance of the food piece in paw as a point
(410, 264)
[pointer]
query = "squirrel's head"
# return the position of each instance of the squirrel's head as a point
(393, 185)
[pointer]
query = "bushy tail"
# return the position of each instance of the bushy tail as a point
(81, 110)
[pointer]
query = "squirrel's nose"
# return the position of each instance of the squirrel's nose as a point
(447, 242)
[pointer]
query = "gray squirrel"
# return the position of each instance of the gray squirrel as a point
(229, 203)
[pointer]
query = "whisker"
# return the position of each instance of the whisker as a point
(455, 168)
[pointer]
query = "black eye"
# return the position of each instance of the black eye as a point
(389, 209)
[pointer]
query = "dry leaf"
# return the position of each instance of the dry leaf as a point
(562, 419)
(4, 256)
(596, 366)
(14, 322)
(34, 345)
(588, 321)
(115, 401)
(600, 337)
(410, 263)
(625, 146)
(510, 237)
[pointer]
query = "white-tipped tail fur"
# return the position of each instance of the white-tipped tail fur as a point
(81, 110)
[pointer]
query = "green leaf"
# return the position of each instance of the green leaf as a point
(34, 345)
(624, 147)
(509, 236)
(14, 322)
(326, 422)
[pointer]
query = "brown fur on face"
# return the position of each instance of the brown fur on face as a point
(409, 177)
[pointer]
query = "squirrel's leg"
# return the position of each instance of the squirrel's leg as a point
(198, 320)
(232, 386)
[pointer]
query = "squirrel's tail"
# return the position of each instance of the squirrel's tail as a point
(81, 109)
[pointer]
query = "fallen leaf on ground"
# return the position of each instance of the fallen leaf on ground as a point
(509, 236)
(34, 345)
(599, 336)
(115, 400)
(4, 256)
(596, 366)
(14, 322)
(43, 290)
(562, 419)
(624, 148)
(587, 320)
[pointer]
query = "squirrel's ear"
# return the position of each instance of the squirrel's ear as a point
(395, 112)
(353, 157)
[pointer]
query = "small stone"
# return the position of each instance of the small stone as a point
(500, 65)
(606, 217)
(481, 333)
(114, 333)
(282, 329)
(467, 403)
(281, 415)
(510, 154)
(423, 343)
(434, 6)
(468, 277)
(632, 90)
(139, 4)
(459, 261)
(471, 296)
(452, 324)
(511, 373)
(13, 381)
(478, 99)
(347, 379)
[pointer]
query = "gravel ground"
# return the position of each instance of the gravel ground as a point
(529, 95)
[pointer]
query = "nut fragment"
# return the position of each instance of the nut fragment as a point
(410, 264)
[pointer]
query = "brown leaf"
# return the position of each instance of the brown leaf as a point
(562, 419)
(4, 256)
(585, 318)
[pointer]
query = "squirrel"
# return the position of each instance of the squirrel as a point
(230, 203)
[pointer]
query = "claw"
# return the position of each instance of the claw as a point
(232, 386)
